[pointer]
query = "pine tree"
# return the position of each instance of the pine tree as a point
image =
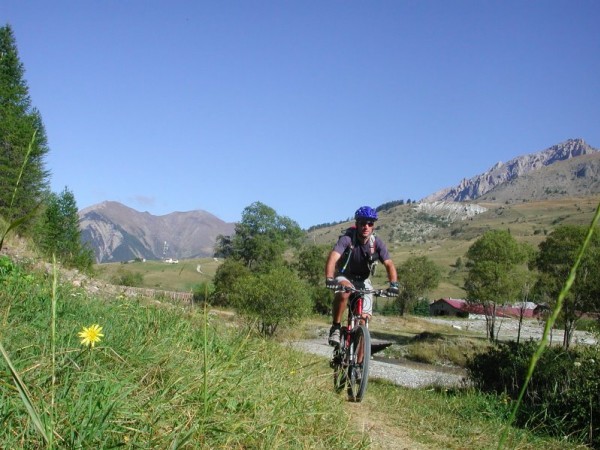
(20, 126)
(58, 232)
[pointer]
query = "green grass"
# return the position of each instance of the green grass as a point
(449, 419)
(160, 378)
(180, 277)
(175, 377)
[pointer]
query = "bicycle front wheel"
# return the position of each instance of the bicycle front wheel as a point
(339, 372)
(358, 369)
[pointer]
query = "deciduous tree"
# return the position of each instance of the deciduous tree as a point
(417, 276)
(223, 247)
(556, 257)
(493, 262)
(262, 236)
(311, 263)
(225, 278)
(254, 277)
(310, 266)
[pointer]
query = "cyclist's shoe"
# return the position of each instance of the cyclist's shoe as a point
(335, 336)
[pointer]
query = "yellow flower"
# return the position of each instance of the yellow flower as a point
(90, 335)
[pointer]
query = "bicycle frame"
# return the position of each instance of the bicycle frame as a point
(350, 360)
(355, 310)
(355, 305)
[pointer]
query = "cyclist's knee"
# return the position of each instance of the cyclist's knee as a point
(342, 296)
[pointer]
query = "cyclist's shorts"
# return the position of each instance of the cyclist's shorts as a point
(367, 298)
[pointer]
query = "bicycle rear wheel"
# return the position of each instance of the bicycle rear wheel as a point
(358, 368)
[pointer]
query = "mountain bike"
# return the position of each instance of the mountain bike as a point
(350, 360)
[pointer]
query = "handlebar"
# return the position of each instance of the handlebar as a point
(376, 292)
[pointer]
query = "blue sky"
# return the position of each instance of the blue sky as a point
(311, 107)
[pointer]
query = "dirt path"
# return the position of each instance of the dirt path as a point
(382, 433)
(508, 328)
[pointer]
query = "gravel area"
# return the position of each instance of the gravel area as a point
(508, 328)
(415, 375)
(402, 374)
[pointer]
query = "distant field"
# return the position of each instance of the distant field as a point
(160, 275)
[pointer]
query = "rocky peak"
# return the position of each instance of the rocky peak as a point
(475, 187)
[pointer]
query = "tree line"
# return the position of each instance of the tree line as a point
(27, 205)
(502, 271)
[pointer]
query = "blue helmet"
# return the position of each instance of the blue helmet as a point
(365, 213)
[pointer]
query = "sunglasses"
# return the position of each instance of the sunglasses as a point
(362, 224)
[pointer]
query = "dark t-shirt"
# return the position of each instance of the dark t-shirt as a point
(358, 265)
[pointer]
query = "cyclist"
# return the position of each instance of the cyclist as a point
(352, 261)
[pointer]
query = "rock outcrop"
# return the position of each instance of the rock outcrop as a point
(475, 187)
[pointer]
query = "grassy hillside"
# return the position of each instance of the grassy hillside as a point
(160, 377)
(165, 376)
(410, 233)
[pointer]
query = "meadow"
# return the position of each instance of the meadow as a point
(179, 376)
(180, 277)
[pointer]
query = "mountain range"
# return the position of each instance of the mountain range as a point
(119, 233)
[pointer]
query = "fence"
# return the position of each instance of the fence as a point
(177, 297)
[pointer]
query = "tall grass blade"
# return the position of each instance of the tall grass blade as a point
(53, 343)
(205, 354)
(550, 323)
(25, 396)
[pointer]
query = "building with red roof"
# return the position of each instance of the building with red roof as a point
(461, 308)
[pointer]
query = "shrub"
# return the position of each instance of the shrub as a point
(563, 394)
(202, 292)
(591, 325)
(388, 308)
(272, 298)
(227, 275)
(322, 300)
(420, 308)
(126, 278)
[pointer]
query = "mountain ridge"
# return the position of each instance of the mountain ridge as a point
(118, 233)
(475, 187)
